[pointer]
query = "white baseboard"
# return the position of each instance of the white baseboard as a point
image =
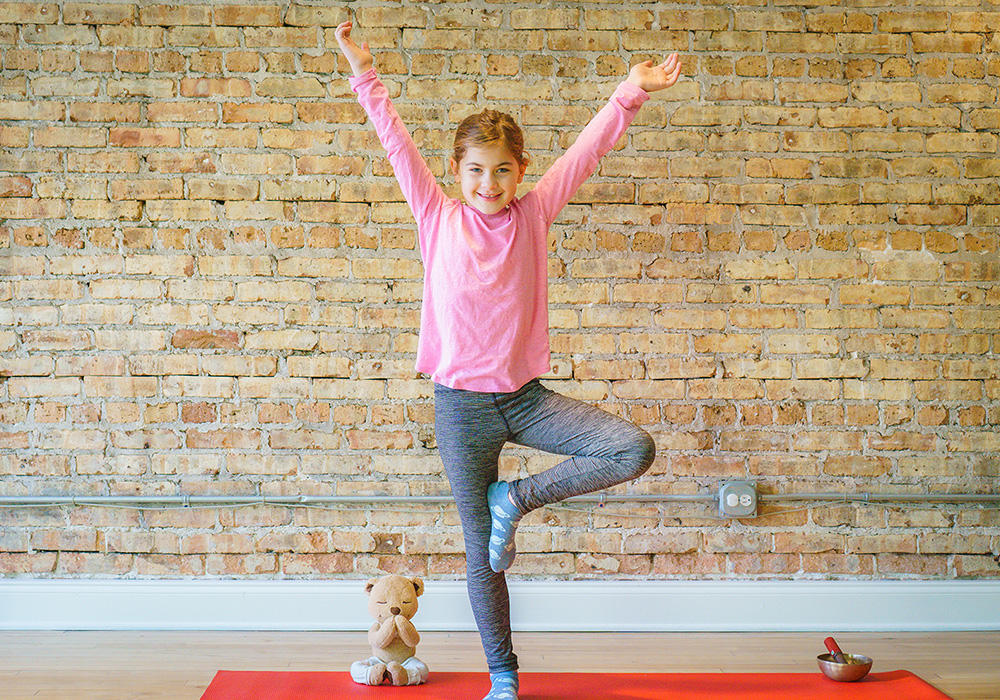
(862, 606)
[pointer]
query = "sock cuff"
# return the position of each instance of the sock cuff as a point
(512, 493)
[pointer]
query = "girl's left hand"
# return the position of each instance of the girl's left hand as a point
(360, 57)
(652, 78)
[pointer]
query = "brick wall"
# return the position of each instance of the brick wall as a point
(786, 271)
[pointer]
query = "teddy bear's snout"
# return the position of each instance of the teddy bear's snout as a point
(394, 610)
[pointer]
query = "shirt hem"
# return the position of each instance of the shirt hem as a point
(482, 385)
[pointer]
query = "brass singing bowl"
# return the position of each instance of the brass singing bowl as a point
(856, 668)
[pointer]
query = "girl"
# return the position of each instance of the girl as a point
(484, 329)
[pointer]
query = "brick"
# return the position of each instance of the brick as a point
(13, 367)
(14, 137)
(57, 35)
(298, 37)
(833, 269)
(172, 15)
(286, 88)
(29, 13)
(222, 189)
(77, 137)
(683, 542)
(35, 387)
(569, 40)
(24, 208)
(947, 43)
(137, 137)
(912, 21)
(921, 564)
(564, 18)
(243, 564)
(31, 111)
(150, 37)
(445, 39)
(33, 266)
(762, 318)
(689, 116)
(246, 15)
(207, 87)
(938, 143)
(147, 189)
(760, 269)
(214, 37)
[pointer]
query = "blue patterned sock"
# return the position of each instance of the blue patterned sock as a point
(503, 686)
(505, 517)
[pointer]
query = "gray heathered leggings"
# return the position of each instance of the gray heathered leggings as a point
(472, 428)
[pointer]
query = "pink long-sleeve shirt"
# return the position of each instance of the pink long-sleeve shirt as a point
(484, 323)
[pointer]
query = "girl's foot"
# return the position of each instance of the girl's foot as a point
(503, 686)
(505, 517)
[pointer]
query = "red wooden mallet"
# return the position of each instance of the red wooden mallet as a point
(834, 650)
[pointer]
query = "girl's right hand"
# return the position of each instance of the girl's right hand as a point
(359, 57)
(652, 78)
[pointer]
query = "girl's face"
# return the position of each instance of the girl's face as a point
(489, 176)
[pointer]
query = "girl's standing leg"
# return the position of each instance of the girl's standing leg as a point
(470, 433)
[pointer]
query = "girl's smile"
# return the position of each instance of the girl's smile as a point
(489, 176)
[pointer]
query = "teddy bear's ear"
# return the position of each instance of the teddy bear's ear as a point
(418, 585)
(370, 585)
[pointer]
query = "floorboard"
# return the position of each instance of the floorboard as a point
(179, 666)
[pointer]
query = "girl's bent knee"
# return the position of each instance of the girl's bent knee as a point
(641, 454)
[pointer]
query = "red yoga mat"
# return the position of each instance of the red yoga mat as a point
(291, 685)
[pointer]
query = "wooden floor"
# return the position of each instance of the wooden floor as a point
(179, 666)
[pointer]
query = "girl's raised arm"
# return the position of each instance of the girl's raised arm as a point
(558, 185)
(417, 182)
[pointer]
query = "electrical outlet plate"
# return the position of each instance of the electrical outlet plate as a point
(737, 499)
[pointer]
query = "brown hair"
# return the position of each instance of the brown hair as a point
(488, 128)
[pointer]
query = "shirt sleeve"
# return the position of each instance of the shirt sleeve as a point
(560, 182)
(419, 186)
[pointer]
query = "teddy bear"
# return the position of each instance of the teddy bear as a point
(392, 601)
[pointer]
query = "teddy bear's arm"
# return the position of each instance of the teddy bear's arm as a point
(381, 634)
(407, 632)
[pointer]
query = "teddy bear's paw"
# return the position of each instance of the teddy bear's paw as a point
(397, 674)
(377, 674)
